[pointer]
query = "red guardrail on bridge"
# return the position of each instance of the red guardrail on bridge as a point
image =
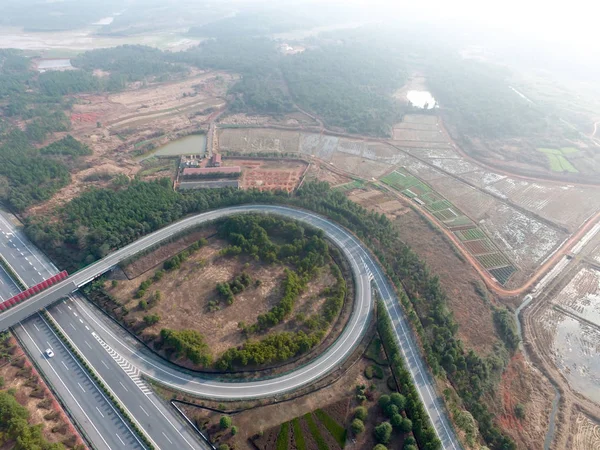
(24, 295)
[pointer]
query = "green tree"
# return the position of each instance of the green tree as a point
(380, 447)
(234, 430)
(520, 411)
(383, 432)
(399, 400)
(361, 413)
(357, 426)
(384, 401)
(396, 420)
(225, 422)
(405, 426)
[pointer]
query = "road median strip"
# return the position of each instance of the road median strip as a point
(130, 419)
(11, 273)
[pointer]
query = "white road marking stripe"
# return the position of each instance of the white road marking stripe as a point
(145, 412)
(72, 326)
(104, 364)
(36, 327)
(81, 386)
(120, 439)
(70, 393)
(166, 437)
(87, 343)
(123, 386)
(100, 412)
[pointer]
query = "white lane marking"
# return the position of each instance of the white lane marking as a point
(87, 328)
(145, 412)
(36, 327)
(87, 343)
(167, 437)
(74, 313)
(81, 386)
(123, 386)
(120, 438)
(109, 403)
(81, 320)
(72, 326)
(69, 307)
(63, 363)
(99, 412)
(104, 364)
(49, 345)
(170, 423)
(70, 393)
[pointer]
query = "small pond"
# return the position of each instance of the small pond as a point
(50, 64)
(421, 99)
(194, 144)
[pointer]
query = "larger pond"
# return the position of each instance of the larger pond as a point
(421, 99)
(50, 64)
(194, 144)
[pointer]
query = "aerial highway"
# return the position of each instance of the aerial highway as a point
(83, 323)
(87, 404)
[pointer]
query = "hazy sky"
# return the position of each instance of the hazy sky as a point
(551, 20)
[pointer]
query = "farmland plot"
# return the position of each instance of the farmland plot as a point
(575, 348)
(582, 295)
(526, 240)
(318, 145)
(426, 152)
(454, 166)
(357, 165)
(586, 435)
(254, 140)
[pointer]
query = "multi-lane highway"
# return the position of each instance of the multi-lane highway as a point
(84, 324)
(88, 405)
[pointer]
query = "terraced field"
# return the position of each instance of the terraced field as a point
(474, 239)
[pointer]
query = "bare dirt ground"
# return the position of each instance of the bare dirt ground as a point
(268, 175)
(43, 408)
(186, 293)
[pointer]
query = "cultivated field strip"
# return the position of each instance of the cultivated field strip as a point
(475, 240)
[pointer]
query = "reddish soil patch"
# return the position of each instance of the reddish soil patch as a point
(523, 384)
(269, 175)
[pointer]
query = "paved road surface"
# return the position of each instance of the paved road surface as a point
(93, 412)
(364, 268)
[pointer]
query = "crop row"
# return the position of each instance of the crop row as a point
(493, 260)
(471, 234)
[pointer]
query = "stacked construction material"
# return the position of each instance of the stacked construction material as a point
(22, 296)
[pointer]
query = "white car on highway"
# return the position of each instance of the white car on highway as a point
(49, 353)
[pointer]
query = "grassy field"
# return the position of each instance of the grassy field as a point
(356, 184)
(558, 160)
